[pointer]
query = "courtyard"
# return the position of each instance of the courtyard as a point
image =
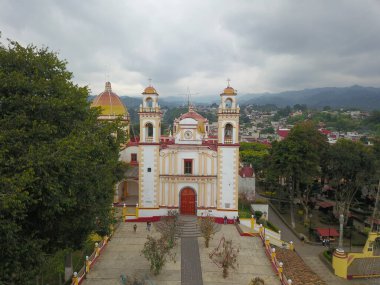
(122, 256)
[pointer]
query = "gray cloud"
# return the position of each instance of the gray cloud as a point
(261, 45)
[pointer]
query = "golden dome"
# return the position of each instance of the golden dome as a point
(110, 103)
(150, 90)
(229, 91)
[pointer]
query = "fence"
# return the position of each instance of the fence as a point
(271, 254)
(90, 260)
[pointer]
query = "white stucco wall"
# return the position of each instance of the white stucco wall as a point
(125, 154)
(148, 178)
(228, 176)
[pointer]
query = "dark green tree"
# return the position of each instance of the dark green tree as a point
(297, 161)
(350, 166)
(58, 164)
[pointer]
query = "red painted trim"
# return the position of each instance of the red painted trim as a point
(142, 143)
(233, 144)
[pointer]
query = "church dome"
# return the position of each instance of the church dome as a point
(110, 103)
(229, 91)
(150, 90)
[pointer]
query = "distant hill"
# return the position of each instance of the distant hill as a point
(366, 98)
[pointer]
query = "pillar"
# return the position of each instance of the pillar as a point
(340, 263)
(291, 246)
(97, 249)
(124, 214)
(88, 263)
(280, 270)
(252, 224)
(273, 254)
(75, 280)
(137, 210)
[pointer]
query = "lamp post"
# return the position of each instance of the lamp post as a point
(341, 221)
(310, 216)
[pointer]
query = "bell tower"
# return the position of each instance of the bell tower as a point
(150, 133)
(228, 151)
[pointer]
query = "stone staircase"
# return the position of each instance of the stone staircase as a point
(188, 226)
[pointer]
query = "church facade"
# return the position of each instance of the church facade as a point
(187, 170)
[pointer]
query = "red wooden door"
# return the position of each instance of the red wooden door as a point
(187, 201)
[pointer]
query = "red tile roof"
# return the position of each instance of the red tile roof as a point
(193, 115)
(325, 232)
(246, 171)
(283, 132)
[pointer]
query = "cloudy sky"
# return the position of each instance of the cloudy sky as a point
(267, 45)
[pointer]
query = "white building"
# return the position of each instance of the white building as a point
(187, 170)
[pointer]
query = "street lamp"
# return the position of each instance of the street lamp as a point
(310, 228)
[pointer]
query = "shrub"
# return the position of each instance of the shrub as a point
(225, 256)
(207, 227)
(258, 215)
(257, 281)
(157, 251)
(328, 255)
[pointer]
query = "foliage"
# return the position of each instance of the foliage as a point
(170, 228)
(297, 159)
(349, 167)
(257, 281)
(258, 214)
(254, 153)
(244, 205)
(207, 228)
(157, 252)
(267, 224)
(225, 256)
(58, 164)
(328, 255)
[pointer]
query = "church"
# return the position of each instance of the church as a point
(188, 170)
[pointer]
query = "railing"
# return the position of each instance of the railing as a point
(229, 110)
(90, 260)
(149, 109)
(271, 254)
(149, 139)
(228, 141)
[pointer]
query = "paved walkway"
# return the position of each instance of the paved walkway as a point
(191, 272)
(252, 261)
(310, 254)
(122, 255)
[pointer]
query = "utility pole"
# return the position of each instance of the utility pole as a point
(341, 221)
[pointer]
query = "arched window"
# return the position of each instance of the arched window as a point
(228, 133)
(149, 102)
(228, 103)
(149, 131)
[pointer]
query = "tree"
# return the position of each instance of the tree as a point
(157, 251)
(58, 164)
(225, 256)
(254, 153)
(207, 228)
(297, 159)
(350, 166)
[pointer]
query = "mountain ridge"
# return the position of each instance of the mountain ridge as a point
(356, 96)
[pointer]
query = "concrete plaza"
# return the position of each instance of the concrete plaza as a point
(251, 259)
(122, 255)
